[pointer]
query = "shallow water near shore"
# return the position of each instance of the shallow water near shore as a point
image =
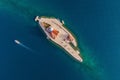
(94, 23)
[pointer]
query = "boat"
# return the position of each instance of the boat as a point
(57, 33)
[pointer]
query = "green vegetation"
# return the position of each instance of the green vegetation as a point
(47, 17)
(70, 32)
(74, 47)
(46, 25)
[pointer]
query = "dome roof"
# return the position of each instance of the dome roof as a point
(50, 29)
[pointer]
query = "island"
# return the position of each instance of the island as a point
(57, 33)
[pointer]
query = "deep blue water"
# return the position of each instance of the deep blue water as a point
(95, 23)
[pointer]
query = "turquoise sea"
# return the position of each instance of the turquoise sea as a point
(96, 24)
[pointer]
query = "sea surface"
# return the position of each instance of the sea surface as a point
(95, 23)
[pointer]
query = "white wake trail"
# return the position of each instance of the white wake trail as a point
(22, 45)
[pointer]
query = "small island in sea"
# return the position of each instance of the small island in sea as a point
(57, 33)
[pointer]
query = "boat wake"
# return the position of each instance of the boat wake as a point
(22, 45)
